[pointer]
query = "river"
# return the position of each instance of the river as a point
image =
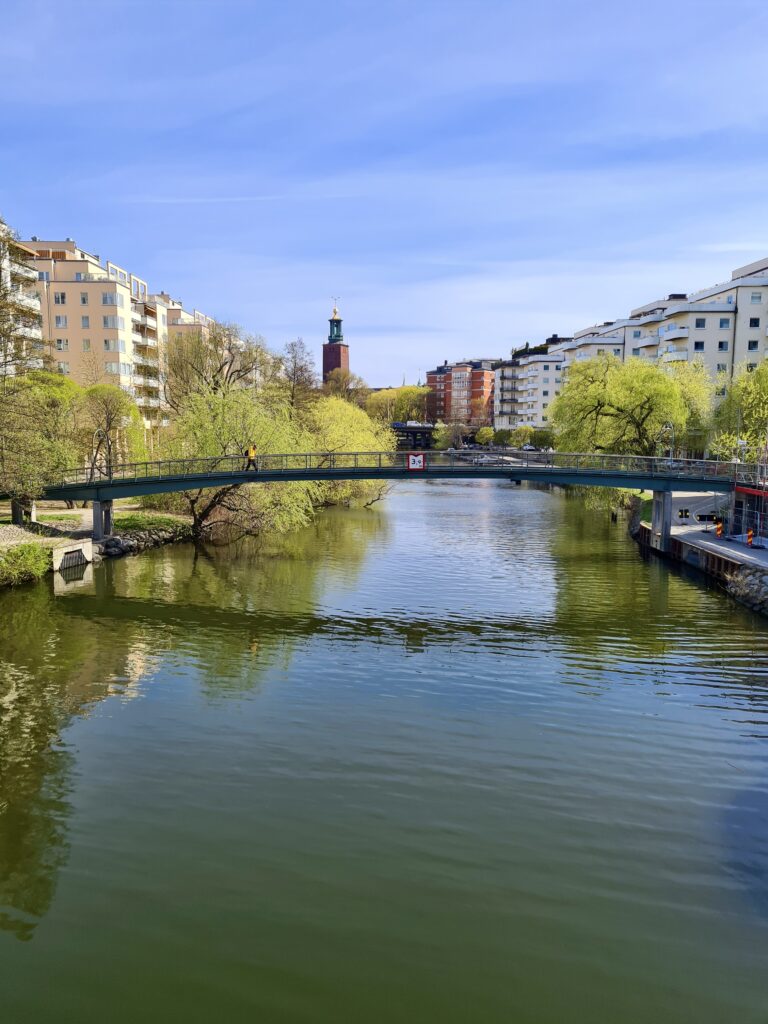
(464, 756)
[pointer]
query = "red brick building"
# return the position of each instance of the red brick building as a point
(462, 392)
(335, 352)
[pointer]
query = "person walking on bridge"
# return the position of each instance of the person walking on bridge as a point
(251, 457)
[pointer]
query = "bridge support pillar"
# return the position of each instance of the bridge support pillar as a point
(661, 522)
(97, 532)
(107, 520)
(102, 519)
(33, 512)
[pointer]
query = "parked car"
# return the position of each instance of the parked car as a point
(529, 448)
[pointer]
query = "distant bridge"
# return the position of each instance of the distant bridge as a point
(661, 475)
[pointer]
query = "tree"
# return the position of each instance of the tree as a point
(520, 436)
(110, 425)
(448, 435)
(343, 384)
(743, 416)
(698, 392)
(398, 405)
(501, 437)
(298, 375)
(609, 406)
(484, 435)
(212, 359)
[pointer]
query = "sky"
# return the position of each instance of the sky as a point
(465, 176)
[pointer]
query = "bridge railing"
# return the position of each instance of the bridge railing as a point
(464, 460)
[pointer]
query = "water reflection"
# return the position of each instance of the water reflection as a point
(233, 610)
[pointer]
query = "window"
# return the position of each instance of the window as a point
(86, 344)
(754, 321)
(722, 367)
(114, 345)
(544, 418)
(756, 298)
(700, 322)
(114, 322)
(85, 321)
(545, 392)
(60, 321)
(165, 320)
(722, 346)
(43, 275)
(559, 366)
(62, 345)
(725, 322)
(78, 277)
(111, 299)
(635, 351)
(751, 367)
(83, 298)
(60, 298)
(546, 366)
(729, 300)
(698, 346)
(62, 367)
(617, 351)
(636, 334)
(752, 346)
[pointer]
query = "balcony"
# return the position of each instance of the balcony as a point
(145, 361)
(674, 355)
(143, 339)
(148, 321)
(148, 403)
(676, 332)
(135, 314)
(22, 271)
(28, 299)
(142, 381)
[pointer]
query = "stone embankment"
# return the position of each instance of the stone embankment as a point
(749, 586)
(136, 541)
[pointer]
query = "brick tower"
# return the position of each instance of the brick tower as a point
(335, 352)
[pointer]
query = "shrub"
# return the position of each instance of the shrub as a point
(23, 563)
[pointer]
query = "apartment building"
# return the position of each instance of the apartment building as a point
(725, 327)
(101, 324)
(527, 384)
(462, 392)
(21, 336)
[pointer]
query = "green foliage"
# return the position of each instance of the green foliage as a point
(743, 416)
(501, 438)
(398, 405)
(448, 435)
(127, 522)
(610, 406)
(23, 563)
(543, 437)
(520, 436)
(484, 435)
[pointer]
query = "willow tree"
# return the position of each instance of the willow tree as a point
(609, 406)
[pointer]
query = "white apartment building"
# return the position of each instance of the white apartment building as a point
(21, 336)
(725, 327)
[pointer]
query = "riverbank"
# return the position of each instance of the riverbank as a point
(29, 552)
(741, 571)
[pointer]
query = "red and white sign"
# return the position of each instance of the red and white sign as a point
(416, 462)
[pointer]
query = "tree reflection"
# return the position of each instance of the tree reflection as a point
(231, 610)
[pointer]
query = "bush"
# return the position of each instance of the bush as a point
(23, 563)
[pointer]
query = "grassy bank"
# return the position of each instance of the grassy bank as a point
(129, 522)
(23, 563)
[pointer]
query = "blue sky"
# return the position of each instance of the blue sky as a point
(466, 176)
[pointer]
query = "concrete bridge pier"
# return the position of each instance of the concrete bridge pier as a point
(102, 519)
(661, 521)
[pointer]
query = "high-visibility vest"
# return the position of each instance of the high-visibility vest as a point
(251, 452)
(718, 529)
(750, 537)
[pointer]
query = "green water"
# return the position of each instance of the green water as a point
(465, 756)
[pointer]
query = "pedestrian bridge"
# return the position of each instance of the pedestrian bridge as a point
(130, 480)
(103, 484)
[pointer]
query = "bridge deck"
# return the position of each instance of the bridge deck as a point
(136, 479)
